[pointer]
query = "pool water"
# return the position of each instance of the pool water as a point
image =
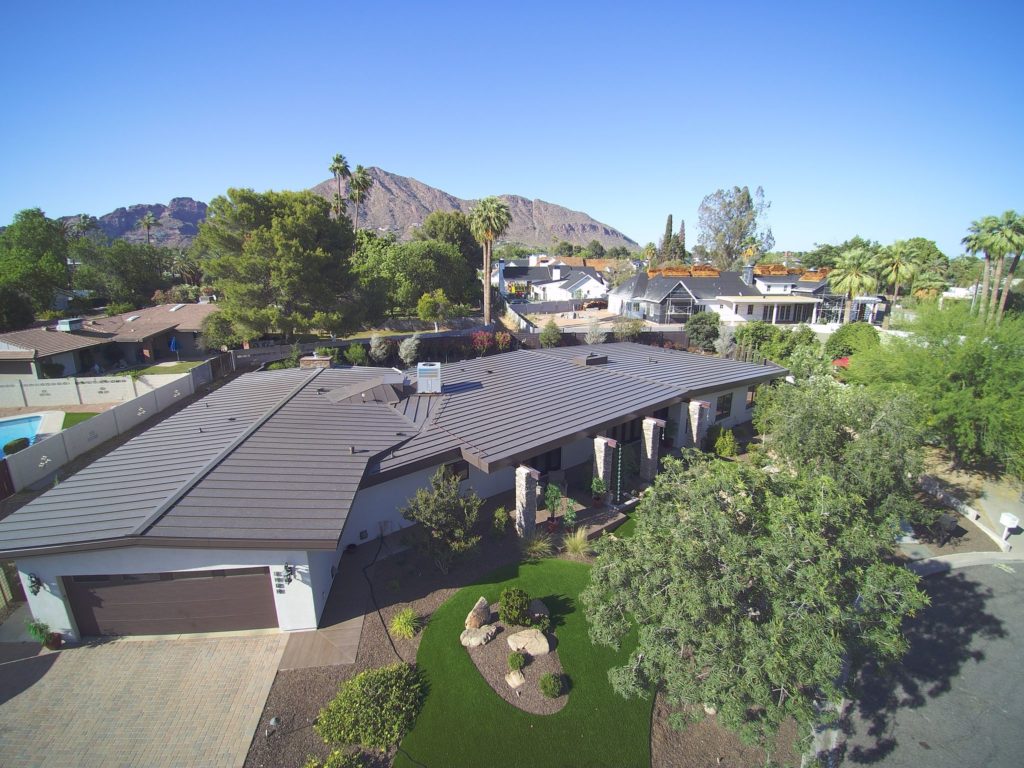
(24, 426)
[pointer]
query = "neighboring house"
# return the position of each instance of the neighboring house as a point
(77, 345)
(546, 279)
(235, 512)
(771, 292)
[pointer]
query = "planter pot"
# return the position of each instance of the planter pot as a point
(53, 641)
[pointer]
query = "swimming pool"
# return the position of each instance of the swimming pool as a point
(23, 426)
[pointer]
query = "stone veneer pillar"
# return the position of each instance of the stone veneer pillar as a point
(700, 420)
(649, 453)
(604, 461)
(526, 500)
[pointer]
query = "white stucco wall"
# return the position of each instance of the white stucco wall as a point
(739, 412)
(296, 608)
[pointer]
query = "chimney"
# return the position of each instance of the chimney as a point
(428, 379)
(556, 273)
(501, 277)
(748, 274)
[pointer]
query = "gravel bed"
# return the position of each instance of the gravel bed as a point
(491, 661)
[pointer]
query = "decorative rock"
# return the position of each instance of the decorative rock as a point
(530, 641)
(471, 638)
(537, 608)
(480, 615)
(515, 678)
(710, 710)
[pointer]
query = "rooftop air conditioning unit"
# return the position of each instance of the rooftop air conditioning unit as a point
(428, 378)
(68, 324)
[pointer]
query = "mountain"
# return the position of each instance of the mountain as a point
(398, 204)
(394, 204)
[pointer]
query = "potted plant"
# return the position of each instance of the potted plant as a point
(41, 631)
(597, 487)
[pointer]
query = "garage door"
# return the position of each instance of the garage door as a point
(172, 603)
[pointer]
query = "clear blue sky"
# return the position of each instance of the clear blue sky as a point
(887, 120)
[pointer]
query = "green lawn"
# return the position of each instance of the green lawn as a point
(464, 723)
(626, 529)
(183, 367)
(70, 419)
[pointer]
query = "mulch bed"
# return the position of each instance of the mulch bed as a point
(491, 661)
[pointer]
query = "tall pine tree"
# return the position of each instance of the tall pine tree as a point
(666, 241)
(681, 241)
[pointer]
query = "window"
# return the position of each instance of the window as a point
(750, 309)
(751, 395)
(723, 407)
(459, 469)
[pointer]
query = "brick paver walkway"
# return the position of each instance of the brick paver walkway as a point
(137, 703)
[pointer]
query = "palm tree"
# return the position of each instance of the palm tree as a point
(340, 170)
(1006, 237)
(853, 276)
(897, 264)
(147, 223)
(358, 188)
(489, 220)
(928, 285)
(977, 241)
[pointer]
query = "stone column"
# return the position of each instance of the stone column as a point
(604, 461)
(526, 500)
(700, 419)
(649, 452)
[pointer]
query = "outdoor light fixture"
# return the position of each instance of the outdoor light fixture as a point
(34, 584)
(289, 573)
(273, 725)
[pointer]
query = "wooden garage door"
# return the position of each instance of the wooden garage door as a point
(172, 603)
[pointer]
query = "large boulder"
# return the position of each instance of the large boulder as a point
(473, 637)
(537, 609)
(480, 615)
(530, 641)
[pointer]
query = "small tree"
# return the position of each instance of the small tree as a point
(628, 328)
(503, 341)
(434, 307)
(409, 350)
(446, 518)
(702, 328)
(356, 354)
(594, 334)
(851, 339)
(550, 335)
(380, 349)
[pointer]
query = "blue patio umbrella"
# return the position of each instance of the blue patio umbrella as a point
(174, 345)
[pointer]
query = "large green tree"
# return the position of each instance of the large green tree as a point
(280, 260)
(489, 220)
(751, 593)
(853, 276)
(732, 228)
(897, 265)
(123, 272)
(979, 240)
(406, 271)
(15, 309)
(826, 255)
(453, 227)
(1005, 236)
(968, 376)
(33, 257)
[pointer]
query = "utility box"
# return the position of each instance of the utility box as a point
(428, 378)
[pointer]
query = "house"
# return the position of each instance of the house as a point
(773, 293)
(78, 345)
(543, 278)
(235, 512)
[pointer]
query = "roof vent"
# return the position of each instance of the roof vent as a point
(132, 317)
(428, 378)
(70, 324)
(592, 359)
(176, 307)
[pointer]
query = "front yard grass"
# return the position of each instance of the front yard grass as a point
(183, 366)
(465, 723)
(70, 419)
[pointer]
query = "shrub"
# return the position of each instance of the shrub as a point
(482, 342)
(628, 328)
(569, 517)
(725, 443)
(39, 630)
(375, 709)
(15, 445)
(702, 330)
(446, 519)
(514, 606)
(553, 498)
(409, 349)
(501, 521)
(551, 685)
(356, 354)
(516, 661)
(550, 335)
(330, 352)
(851, 339)
(404, 624)
(119, 308)
(543, 623)
(597, 486)
(337, 759)
(577, 546)
(503, 341)
(538, 547)
(380, 348)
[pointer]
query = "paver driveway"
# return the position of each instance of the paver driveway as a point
(178, 703)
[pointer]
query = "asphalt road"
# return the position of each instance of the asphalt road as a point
(957, 699)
